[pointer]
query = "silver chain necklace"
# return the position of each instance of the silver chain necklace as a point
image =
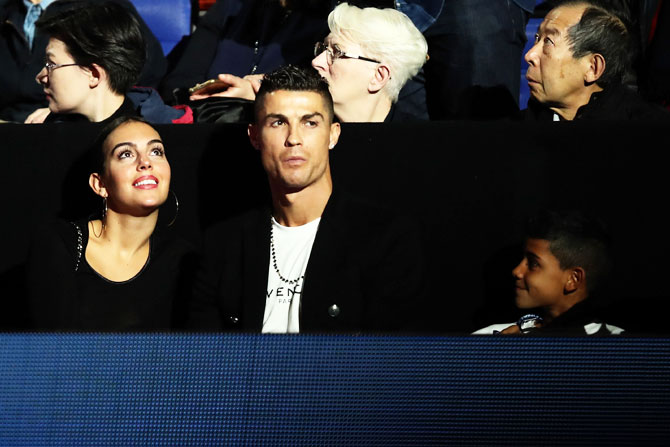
(274, 258)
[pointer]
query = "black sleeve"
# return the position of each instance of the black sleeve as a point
(186, 276)
(194, 63)
(204, 310)
(50, 275)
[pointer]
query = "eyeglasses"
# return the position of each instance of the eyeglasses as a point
(50, 66)
(336, 53)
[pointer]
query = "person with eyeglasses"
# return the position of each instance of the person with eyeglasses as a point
(95, 55)
(22, 54)
(368, 56)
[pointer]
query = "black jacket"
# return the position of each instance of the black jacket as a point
(365, 261)
(613, 103)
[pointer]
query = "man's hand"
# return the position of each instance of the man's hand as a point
(245, 88)
(255, 81)
(38, 116)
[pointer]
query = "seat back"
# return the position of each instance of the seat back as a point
(169, 20)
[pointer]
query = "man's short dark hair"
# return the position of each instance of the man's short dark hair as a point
(576, 240)
(605, 31)
(102, 33)
(294, 79)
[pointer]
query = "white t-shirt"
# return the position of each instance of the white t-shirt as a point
(292, 247)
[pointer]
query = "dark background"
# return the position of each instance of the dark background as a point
(470, 184)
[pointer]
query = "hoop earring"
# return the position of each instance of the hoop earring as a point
(176, 213)
(104, 217)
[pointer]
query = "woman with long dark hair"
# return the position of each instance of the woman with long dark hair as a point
(115, 272)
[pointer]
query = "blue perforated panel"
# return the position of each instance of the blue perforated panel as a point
(124, 390)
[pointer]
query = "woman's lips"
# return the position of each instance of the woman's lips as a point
(146, 182)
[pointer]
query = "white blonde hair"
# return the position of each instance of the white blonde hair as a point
(383, 34)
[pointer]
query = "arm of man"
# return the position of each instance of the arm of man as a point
(193, 65)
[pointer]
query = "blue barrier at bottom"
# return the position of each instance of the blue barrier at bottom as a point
(122, 390)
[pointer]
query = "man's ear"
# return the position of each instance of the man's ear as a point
(576, 279)
(596, 68)
(252, 131)
(334, 135)
(97, 185)
(381, 77)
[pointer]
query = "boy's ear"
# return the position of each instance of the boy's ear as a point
(576, 279)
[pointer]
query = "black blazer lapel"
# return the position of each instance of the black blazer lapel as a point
(322, 268)
(256, 249)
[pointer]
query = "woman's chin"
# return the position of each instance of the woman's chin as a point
(149, 208)
(140, 210)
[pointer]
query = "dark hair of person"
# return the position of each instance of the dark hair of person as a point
(294, 79)
(576, 240)
(97, 156)
(102, 33)
(604, 31)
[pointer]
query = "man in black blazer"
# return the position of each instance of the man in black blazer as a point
(317, 260)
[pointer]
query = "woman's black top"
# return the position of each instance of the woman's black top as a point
(67, 294)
